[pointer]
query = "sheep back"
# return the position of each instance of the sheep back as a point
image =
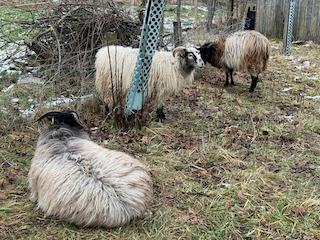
(81, 182)
(246, 50)
(115, 72)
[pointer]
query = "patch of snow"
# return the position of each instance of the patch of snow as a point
(289, 117)
(148, 214)
(299, 67)
(263, 208)
(105, 142)
(27, 112)
(15, 53)
(315, 77)
(224, 185)
(15, 100)
(290, 57)
(274, 47)
(8, 88)
(94, 129)
(286, 89)
(296, 78)
(312, 97)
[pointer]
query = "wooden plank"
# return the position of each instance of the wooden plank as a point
(257, 24)
(270, 18)
(313, 26)
(296, 20)
(318, 25)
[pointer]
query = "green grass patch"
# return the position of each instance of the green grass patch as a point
(226, 163)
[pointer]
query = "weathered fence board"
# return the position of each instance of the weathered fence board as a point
(270, 18)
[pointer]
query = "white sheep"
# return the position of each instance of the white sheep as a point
(244, 50)
(169, 73)
(78, 181)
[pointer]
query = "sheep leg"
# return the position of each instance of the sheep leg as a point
(229, 72)
(106, 110)
(254, 81)
(160, 114)
(227, 79)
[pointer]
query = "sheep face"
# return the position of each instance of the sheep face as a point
(206, 53)
(212, 52)
(190, 58)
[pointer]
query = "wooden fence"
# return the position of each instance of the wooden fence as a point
(270, 18)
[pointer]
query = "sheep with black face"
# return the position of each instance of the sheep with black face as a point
(245, 50)
(169, 73)
(76, 180)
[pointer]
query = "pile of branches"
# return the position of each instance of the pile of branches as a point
(67, 35)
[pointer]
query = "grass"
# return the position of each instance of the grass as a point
(11, 26)
(226, 163)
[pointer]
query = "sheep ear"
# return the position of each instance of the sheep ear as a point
(76, 118)
(183, 53)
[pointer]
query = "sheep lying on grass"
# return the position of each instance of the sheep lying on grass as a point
(169, 73)
(81, 182)
(246, 50)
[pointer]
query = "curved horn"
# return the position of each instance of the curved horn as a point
(177, 49)
(209, 46)
(51, 113)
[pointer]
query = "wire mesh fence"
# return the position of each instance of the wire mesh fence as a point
(57, 41)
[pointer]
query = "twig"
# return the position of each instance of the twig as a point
(58, 22)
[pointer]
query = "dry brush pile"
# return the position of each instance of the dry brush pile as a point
(66, 36)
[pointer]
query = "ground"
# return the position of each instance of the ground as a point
(226, 163)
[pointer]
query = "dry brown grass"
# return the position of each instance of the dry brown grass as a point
(226, 163)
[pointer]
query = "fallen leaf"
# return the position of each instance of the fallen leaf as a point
(155, 173)
(2, 182)
(16, 137)
(307, 104)
(300, 210)
(170, 195)
(9, 187)
(240, 195)
(4, 228)
(2, 196)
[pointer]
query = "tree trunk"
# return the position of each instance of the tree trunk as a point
(229, 4)
(178, 41)
(211, 9)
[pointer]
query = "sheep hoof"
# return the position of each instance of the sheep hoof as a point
(161, 119)
(160, 115)
(251, 90)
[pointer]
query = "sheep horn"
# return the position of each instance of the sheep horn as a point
(209, 46)
(64, 116)
(52, 113)
(177, 49)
